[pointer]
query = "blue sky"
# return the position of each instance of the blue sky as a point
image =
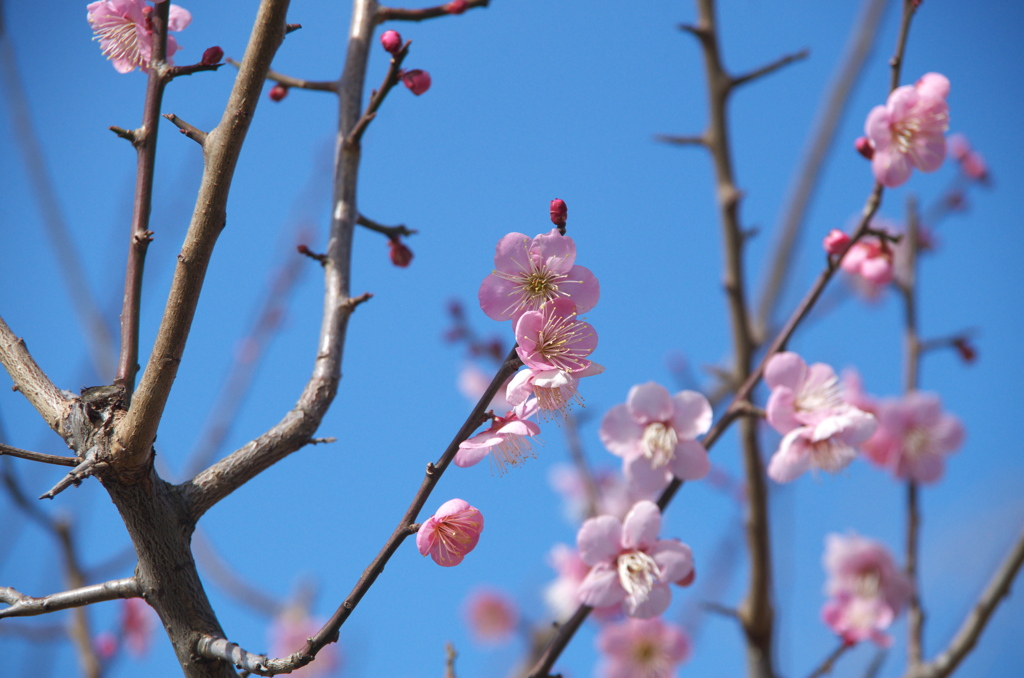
(530, 101)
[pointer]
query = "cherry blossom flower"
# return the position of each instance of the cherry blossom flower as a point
(507, 437)
(629, 565)
(417, 80)
(553, 339)
(562, 595)
(399, 252)
(556, 390)
(867, 589)
(451, 533)
(908, 130)
(655, 434)
(821, 430)
(125, 31)
(491, 615)
(871, 259)
(643, 648)
(529, 272)
(914, 436)
(290, 630)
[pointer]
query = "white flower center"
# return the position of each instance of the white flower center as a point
(638, 573)
(917, 443)
(869, 583)
(557, 341)
(659, 443)
(827, 395)
(832, 455)
(511, 451)
(122, 38)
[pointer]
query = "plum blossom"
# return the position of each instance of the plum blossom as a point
(908, 131)
(555, 389)
(290, 630)
(914, 436)
(835, 242)
(655, 434)
(125, 31)
(643, 648)
(529, 272)
(491, 615)
(629, 565)
(451, 533)
(417, 80)
(870, 259)
(553, 339)
(820, 429)
(507, 437)
(867, 589)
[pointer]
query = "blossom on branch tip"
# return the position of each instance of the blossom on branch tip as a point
(451, 533)
(529, 272)
(914, 436)
(212, 56)
(391, 41)
(559, 213)
(647, 648)
(655, 434)
(555, 389)
(629, 565)
(554, 339)
(872, 260)
(417, 80)
(507, 438)
(867, 588)
(125, 31)
(908, 131)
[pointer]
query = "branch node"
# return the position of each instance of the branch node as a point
(291, 28)
(127, 134)
(352, 302)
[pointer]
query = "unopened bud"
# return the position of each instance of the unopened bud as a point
(456, 7)
(400, 254)
(865, 147)
(391, 41)
(559, 213)
(278, 92)
(836, 241)
(212, 56)
(418, 81)
(967, 352)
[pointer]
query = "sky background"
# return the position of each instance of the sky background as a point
(531, 100)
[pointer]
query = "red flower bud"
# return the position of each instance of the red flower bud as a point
(836, 241)
(212, 56)
(559, 213)
(278, 92)
(391, 41)
(456, 7)
(418, 81)
(400, 254)
(865, 147)
(967, 352)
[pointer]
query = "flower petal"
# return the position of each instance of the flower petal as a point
(599, 539)
(641, 525)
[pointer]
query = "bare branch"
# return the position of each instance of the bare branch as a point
(75, 476)
(389, 231)
(26, 606)
(297, 83)
(449, 660)
(378, 96)
(193, 133)
(770, 68)
(395, 14)
(700, 140)
(222, 648)
(827, 665)
(38, 456)
(30, 380)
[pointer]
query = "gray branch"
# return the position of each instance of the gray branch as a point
(38, 456)
(27, 606)
(30, 379)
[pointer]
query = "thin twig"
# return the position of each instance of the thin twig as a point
(38, 456)
(377, 97)
(26, 606)
(769, 68)
(826, 666)
(389, 231)
(681, 141)
(396, 14)
(193, 133)
(30, 380)
(449, 660)
(297, 83)
(75, 476)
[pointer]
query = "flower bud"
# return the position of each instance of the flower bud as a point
(865, 147)
(836, 241)
(391, 41)
(456, 7)
(400, 254)
(967, 352)
(418, 81)
(559, 213)
(278, 92)
(212, 56)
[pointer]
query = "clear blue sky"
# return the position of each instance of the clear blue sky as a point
(530, 101)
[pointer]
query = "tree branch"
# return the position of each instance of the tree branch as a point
(26, 606)
(389, 231)
(378, 96)
(770, 68)
(395, 14)
(48, 400)
(194, 133)
(700, 140)
(297, 83)
(38, 456)
(828, 664)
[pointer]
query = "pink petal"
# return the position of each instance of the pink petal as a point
(468, 456)
(793, 457)
(498, 297)
(179, 18)
(650, 402)
(891, 168)
(643, 479)
(557, 252)
(933, 85)
(780, 410)
(599, 539)
(620, 432)
(674, 558)
(692, 414)
(587, 292)
(657, 602)
(690, 461)
(601, 587)
(785, 369)
(641, 525)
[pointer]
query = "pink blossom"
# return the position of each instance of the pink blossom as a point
(836, 241)
(125, 31)
(908, 130)
(507, 437)
(821, 430)
(971, 163)
(643, 648)
(105, 645)
(391, 41)
(289, 631)
(553, 339)
(417, 80)
(529, 272)
(867, 589)
(655, 434)
(559, 213)
(629, 565)
(556, 390)
(450, 533)
(865, 147)
(491, 615)
(914, 436)
(871, 259)
(562, 595)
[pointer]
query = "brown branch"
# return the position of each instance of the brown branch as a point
(378, 96)
(135, 433)
(396, 14)
(75, 476)
(827, 665)
(38, 456)
(808, 173)
(48, 400)
(389, 231)
(770, 68)
(681, 141)
(297, 83)
(26, 606)
(193, 133)
(449, 660)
